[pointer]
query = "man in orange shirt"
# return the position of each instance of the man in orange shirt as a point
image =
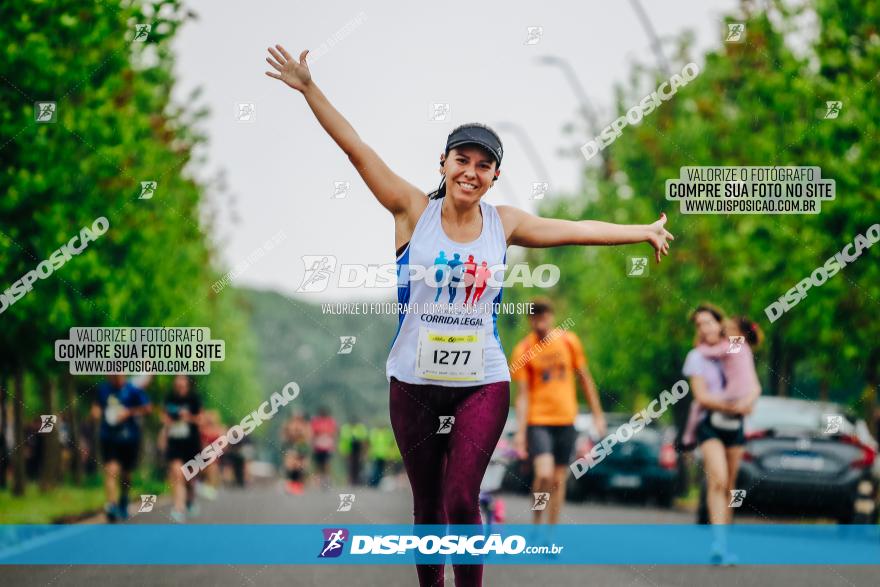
(544, 365)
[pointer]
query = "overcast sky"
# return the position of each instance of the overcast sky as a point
(393, 61)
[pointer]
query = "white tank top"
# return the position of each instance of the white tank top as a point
(449, 335)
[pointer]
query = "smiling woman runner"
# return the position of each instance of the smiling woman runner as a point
(454, 366)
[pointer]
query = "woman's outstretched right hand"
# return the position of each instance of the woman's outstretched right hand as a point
(294, 74)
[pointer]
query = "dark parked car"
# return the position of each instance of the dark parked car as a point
(643, 468)
(808, 457)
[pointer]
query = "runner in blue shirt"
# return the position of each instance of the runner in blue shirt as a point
(119, 405)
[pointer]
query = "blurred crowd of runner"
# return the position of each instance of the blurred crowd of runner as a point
(121, 429)
(309, 445)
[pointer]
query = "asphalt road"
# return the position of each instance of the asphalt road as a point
(268, 504)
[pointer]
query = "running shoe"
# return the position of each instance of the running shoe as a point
(177, 517)
(206, 491)
(193, 510)
(111, 512)
(293, 487)
(722, 558)
(500, 510)
(122, 512)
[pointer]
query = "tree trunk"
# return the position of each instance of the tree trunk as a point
(823, 388)
(786, 373)
(51, 457)
(72, 418)
(18, 434)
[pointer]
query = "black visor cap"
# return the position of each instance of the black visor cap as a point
(478, 136)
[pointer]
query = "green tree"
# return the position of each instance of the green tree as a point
(756, 103)
(115, 127)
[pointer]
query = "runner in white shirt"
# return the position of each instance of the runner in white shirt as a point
(447, 361)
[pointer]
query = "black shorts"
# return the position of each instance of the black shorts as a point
(558, 440)
(124, 453)
(321, 457)
(728, 437)
(182, 449)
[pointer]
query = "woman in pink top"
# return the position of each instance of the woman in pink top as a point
(718, 409)
(737, 360)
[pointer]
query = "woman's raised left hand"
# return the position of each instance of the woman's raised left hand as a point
(658, 237)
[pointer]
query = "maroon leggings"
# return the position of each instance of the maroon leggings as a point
(445, 470)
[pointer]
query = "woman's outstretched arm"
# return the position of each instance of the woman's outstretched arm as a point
(393, 192)
(533, 231)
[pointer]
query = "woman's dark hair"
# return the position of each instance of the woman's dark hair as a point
(441, 191)
(716, 312)
(751, 331)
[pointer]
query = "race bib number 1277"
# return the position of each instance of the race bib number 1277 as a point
(450, 355)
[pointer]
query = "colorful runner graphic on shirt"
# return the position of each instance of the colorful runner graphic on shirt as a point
(470, 276)
(480, 281)
(443, 265)
(456, 269)
(451, 272)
